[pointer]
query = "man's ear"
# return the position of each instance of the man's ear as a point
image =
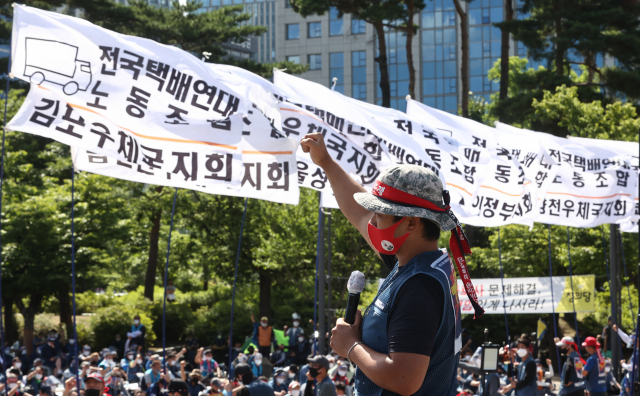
(413, 223)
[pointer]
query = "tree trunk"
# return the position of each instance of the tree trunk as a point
(412, 69)
(64, 303)
(11, 330)
(29, 316)
(205, 275)
(504, 54)
(383, 65)
(464, 68)
(152, 264)
(559, 49)
(265, 293)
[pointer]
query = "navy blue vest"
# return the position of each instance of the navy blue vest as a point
(532, 389)
(259, 388)
(575, 375)
(441, 375)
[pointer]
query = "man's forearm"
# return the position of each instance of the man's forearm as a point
(404, 378)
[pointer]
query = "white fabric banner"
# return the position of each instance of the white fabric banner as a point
(532, 295)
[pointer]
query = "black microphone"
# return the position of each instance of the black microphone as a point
(355, 287)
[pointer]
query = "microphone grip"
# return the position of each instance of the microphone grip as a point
(352, 307)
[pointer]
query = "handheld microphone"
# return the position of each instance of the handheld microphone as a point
(355, 287)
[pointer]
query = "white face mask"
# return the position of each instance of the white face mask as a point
(292, 375)
(38, 376)
(130, 357)
(257, 361)
(522, 352)
(296, 324)
(136, 322)
(342, 373)
(295, 392)
(108, 361)
(300, 339)
(17, 365)
(85, 353)
(172, 363)
(263, 324)
(279, 380)
(139, 361)
(607, 369)
(72, 341)
(207, 358)
(12, 386)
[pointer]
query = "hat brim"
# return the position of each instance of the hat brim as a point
(560, 344)
(380, 205)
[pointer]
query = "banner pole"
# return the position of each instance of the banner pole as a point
(553, 304)
(235, 282)
(575, 315)
(166, 276)
(504, 304)
(4, 129)
(626, 278)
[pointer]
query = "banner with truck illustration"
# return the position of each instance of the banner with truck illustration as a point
(532, 295)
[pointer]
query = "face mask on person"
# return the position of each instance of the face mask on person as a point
(219, 336)
(13, 385)
(300, 339)
(257, 361)
(296, 324)
(72, 341)
(17, 365)
(92, 392)
(279, 380)
(136, 322)
(117, 338)
(139, 361)
(313, 372)
(384, 240)
(172, 362)
(522, 352)
(263, 324)
(38, 376)
(24, 351)
(207, 358)
(292, 375)
(342, 373)
(238, 349)
(85, 353)
(295, 392)
(129, 357)
(607, 369)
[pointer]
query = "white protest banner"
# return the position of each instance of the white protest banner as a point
(156, 95)
(594, 184)
(504, 195)
(531, 295)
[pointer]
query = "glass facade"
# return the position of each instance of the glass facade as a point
(315, 29)
(294, 58)
(335, 22)
(358, 26)
(398, 70)
(315, 62)
(359, 75)
(293, 31)
(336, 69)
(484, 44)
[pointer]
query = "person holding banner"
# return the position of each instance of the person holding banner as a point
(408, 340)
(571, 378)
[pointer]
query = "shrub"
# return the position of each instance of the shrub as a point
(118, 318)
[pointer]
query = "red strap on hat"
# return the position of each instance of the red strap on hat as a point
(458, 242)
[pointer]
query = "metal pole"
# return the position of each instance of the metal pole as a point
(329, 274)
(614, 259)
(235, 282)
(321, 286)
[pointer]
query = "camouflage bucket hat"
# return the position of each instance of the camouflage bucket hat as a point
(411, 179)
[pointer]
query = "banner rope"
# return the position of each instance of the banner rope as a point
(4, 128)
(166, 276)
(504, 304)
(573, 299)
(626, 278)
(235, 281)
(553, 304)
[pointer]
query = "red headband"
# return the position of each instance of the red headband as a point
(458, 242)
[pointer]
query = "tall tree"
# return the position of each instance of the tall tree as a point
(383, 15)
(464, 47)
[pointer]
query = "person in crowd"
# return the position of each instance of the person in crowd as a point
(237, 349)
(94, 385)
(280, 382)
(220, 347)
(207, 365)
(154, 374)
(606, 338)
(115, 384)
(468, 347)
(35, 378)
(251, 386)
(544, 378)
(71, 371)
(191, 345)
(135, 367)
(613, 387)
(137, 333)
(341, 373)
(173, 364)
(171, 292)
(194, 382)
(594, 371)
(625, 385)
(118, 345)
(341, 388)
(50, 358)
(278, 356)
(318, 377)
(292, 372)
(294, 389)
(86, 352)
(17, 364)
(39, 340)
(127, 358)
(107, 363)
(471, 383)
(94, 359)
(571, 379)
(294, 332)
(525, 383)
(264, 335)
(160, 387)
(301, 351)
(256, 364)
(45, 391)
(216, 387)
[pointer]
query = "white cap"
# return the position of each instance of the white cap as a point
(565, 341)
(295, 316)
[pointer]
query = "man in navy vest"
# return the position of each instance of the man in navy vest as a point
(571, 379)
(525, 382)
(408, 340)
(251, 386)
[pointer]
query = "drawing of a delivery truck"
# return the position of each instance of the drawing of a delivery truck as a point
(56, 62)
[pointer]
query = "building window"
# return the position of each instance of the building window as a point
(335, 22)
(293, 31)
(294, 58)
(315, 29)
(336, 69)
(315, 62)
(359, 75)
(287, 4)
(357, 26)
